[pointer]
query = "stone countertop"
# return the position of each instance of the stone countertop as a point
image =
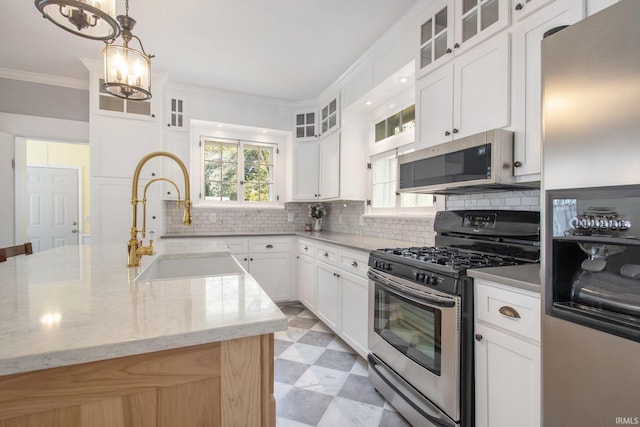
(354, 241)
(526, 276)
(78, 304)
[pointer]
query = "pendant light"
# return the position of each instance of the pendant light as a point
(92, 19)
(127, 71)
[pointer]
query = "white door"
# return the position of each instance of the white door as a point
(52, 207)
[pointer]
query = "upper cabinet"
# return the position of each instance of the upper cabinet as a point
(527, 68)
(315, 123)
(453, 26)
(524, 8)
(467, 96)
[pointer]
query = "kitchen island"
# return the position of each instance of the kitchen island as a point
(83, 343)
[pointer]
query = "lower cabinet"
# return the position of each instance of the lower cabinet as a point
(268, 260)
(507, 356)
(333, 285)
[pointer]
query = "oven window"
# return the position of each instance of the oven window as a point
(412, 328)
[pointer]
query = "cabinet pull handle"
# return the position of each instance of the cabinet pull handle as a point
(519, 6)
(457, 45)
(479, 337)
(326, 254)
(269, 246)
(354, 264)
(447, 133)
(455, 130)
(517, 164)
(306, 248)
(449, 50)
(505, 310)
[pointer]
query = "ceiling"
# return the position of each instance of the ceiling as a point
(285, 49)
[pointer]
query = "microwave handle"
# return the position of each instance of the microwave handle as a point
(418, 297)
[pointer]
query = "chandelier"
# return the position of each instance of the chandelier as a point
(92, 19)
(127, 71)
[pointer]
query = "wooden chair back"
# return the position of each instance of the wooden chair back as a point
(10, 251)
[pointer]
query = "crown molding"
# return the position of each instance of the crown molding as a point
(45, 79)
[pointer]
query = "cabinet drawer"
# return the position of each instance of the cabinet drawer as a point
(354, 262)
(327, 254)
(306, 247)
(268, 245)
(237, 245)
(511, 309)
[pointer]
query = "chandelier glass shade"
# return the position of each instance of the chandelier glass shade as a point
(92, 19)
(127, 71)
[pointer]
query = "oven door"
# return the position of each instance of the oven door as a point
(416, 333)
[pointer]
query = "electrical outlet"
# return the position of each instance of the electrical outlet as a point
(290, 216)
(212, 217)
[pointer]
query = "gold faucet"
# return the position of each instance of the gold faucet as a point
(135, 248)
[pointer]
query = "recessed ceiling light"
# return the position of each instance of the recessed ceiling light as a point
(368, 103)
(403, 79)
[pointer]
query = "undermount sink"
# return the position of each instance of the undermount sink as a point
(180, 266)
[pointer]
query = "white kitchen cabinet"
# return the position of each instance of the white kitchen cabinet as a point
(178, 144)
(305, 125)
(328, 294)
(333, 285)
(329, 117)
(317, 169)
(527, 38)
(507, 327)
(176, 118)
(268, 260)
(523, 8)
(451, 27)
(314, 123)
(306, 274)
(467, 96)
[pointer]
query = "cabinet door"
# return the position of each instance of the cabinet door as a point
(436, 38)
(273, 272)
(507, 380)
(434, 107)
(354, 309)
(481, 88)
(523, 8)
(178, 144)
(477, 20)
(527, 91)
(306, 281)
(330, 167)
(306, 127)
(117, 145)
(306, 168)
(328, 292)
(329, 117)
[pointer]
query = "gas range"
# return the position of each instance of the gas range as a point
(465, 239)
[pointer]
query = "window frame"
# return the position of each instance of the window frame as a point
(199, 181)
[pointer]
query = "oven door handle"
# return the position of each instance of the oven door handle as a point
(411, 294)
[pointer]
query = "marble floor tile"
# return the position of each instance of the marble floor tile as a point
(338, 344)
(302, 322)
(348, 413)
(279, 346)
(360, 389)
(308, 314)
(322, 380)
(303, 406)
(335, 359)
(287, 371)
(321, 327)
(320, 339)
(292, 309)
(303, 353)
(291, 334)
(360, 368)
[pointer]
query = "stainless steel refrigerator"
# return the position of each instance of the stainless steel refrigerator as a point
(591, 175)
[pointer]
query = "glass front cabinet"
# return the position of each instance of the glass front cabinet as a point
(316, 123)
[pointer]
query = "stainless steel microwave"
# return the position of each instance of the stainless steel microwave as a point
(479, 162)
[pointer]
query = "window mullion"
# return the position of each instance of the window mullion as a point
(241, 177)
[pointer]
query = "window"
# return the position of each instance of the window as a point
(397, 123)
(238, 171)
(384, 196)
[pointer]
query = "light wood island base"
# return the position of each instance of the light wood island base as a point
(227, 383)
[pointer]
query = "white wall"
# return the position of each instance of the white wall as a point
(6, 189)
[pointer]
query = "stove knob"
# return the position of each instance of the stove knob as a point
(421, 277)
(376, 264)
(432, 280)
(387, 267)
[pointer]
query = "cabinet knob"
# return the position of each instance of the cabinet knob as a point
(306, 248)
(250, 259)
(326, 255)
(478, 337)
(449, 50)
(519, 6)
(505, 310)
(457, 45)
(455, 130)
(354, 264)
(246, 259)
(447, 133)
(517, 164)
(269, 246)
